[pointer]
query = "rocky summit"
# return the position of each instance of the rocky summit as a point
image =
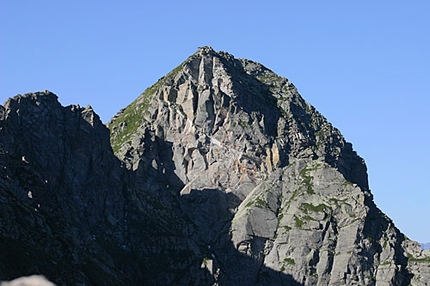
(218, 174)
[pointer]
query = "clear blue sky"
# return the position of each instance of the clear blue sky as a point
(364, 64)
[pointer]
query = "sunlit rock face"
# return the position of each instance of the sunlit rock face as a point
(218, 174)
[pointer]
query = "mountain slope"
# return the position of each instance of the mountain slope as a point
(223, 175)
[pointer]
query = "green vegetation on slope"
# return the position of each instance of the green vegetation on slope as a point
(127, 123)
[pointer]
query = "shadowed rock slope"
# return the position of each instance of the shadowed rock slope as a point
(219, 174)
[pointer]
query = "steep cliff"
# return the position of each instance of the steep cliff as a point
(223, 175)
(62, 198)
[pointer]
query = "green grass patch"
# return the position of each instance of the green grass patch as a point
(307, 217)
(289, 261)
(310, 207)
(261, 203)
(307, 179)
(280, 216)
(421, 260)
(347, 183)
(127, 123)
(250, 203)
(258, 202)
(299, 223)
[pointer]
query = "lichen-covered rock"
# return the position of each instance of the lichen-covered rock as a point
(223, 175)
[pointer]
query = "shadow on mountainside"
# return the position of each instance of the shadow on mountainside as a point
(185, 239)
(68, 204)
(209, 210)
(62, 197)
(376, 227)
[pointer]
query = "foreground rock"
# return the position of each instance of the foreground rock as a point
(223, 175)
(35, 280)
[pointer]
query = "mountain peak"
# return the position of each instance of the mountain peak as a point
(205, 50)
(214, 95)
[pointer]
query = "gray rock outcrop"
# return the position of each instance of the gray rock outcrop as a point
(218, 174)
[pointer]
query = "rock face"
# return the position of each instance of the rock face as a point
(218, 174)
(62, 197)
